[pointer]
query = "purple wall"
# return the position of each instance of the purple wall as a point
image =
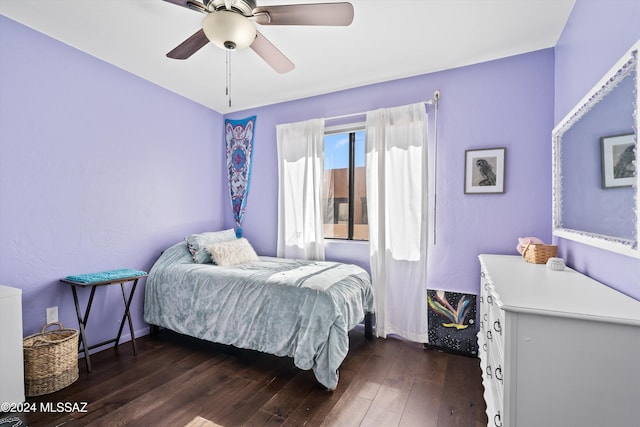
(503, 103)
(596, 35)
(99, 169)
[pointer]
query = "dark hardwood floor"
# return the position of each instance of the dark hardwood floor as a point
(175, 379)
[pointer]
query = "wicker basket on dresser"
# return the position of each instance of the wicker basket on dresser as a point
(556, 347)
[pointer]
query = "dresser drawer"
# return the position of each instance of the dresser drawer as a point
(495, 328)
(495, 371)
(491, 351)
(494, 320)
(492, 397)
(494, 390)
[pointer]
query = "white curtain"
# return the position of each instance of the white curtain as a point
(300, 177)
(396, 175)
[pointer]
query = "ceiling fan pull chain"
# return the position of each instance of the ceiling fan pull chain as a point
(229, 76)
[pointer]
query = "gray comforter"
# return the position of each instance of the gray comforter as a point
(296, 308)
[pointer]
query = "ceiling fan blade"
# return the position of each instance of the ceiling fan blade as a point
(190, 46)
(333, 14)
(271, 55)
(190, 4)
(182, 3)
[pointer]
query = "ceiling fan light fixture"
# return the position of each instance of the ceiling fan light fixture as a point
(229, 30)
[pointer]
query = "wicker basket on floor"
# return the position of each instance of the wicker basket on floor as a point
(538, 253)
(50, 360)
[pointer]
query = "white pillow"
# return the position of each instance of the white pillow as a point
(232, 252)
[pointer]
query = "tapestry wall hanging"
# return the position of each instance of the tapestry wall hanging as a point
(239, 137)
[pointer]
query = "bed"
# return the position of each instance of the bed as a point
(297, 308)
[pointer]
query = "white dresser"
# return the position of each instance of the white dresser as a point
(557, 348)
(11, 359)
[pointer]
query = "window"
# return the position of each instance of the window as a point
(344, 192)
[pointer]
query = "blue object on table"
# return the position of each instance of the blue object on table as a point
(105, 276)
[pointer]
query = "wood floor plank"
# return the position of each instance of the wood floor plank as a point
(96, 388)
(200, 400)
(316, 407)
(378, 366)
(351, 408)
(319, 403)
(171, 394)
(240, 411)
(424, 400)
(432, 367)
(423, 404)
(350, 411)
(174, 379)
(370, 379)
(287, 399)
(460, 396)
(388, 405)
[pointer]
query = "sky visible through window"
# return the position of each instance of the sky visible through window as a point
(336, 150)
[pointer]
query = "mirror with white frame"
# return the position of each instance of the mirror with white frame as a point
(595, 167)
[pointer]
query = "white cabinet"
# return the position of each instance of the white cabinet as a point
(556, 347)
(11, 360)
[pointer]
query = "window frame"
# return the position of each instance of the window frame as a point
(351, 130)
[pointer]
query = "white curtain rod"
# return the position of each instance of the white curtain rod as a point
(434, 101)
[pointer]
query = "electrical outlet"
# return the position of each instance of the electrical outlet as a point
(52, 314)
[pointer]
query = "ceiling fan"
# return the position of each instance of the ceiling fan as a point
(229, 24)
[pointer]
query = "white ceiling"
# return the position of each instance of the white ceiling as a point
(388, 39)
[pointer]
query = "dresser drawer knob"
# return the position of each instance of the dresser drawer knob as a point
(489, 335)
(484, 347)
(497, 326)
(485, 317)
(497, 420)
(489, 371)
(490, 299)
(499, 373)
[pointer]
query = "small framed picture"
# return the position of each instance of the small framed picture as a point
(484, 171)
(618, 155)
